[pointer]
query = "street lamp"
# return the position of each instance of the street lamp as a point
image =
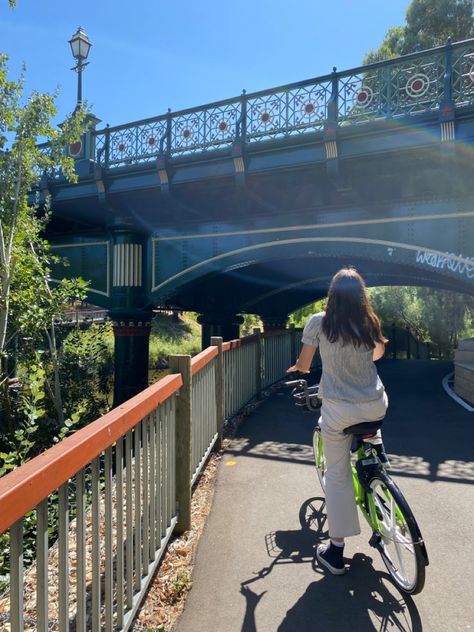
(80, 46)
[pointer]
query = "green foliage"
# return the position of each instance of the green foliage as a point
(28, 304)
(181, 584)
(301, 315)
(33, 431)
(86, 366)
(27, 440)
(173, 334)
(437, 317)
(250, 322)
(428, 23)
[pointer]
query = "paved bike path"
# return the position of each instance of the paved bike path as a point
(256, 569)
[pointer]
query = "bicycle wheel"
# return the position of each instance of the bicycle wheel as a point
(399, 538)
(319, 459)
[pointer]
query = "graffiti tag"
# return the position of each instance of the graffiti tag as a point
(446, 261)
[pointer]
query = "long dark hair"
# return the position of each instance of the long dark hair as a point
(349, 315)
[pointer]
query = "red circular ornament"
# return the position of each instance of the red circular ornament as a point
(186, 133)
(75, 148)
(309, 107)
(121, 147)
(151, 141)
(417, 85)
(222, 126)
(362, 97)
(265, 117)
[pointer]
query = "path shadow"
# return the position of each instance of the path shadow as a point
(363, 600)
(415, 428)
(295, 546)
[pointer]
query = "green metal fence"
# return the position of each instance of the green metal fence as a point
(276, 355)
(242, 373)
(113, 492)
(204, 417)
(108, 491)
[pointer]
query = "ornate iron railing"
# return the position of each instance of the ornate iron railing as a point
(418, 83)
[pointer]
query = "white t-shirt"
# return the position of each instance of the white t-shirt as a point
(349, 372)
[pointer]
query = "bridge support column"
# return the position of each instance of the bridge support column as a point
(131, 321)
(227, 326)
(130, 358)
(274, 323)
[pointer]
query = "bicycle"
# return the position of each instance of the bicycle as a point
(395, 532)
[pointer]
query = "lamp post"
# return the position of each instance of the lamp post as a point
(80, 46)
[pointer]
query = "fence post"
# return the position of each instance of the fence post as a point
(258, 361)
(182, 364)
(216, 341)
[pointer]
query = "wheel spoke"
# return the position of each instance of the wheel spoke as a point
(397, 542)
(395, 539)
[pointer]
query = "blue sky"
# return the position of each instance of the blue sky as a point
(149, 55)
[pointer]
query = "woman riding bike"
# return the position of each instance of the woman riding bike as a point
(350, 339)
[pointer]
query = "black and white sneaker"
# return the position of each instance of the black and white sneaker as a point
(331, 557)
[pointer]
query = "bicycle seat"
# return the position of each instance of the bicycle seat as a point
(365, 428)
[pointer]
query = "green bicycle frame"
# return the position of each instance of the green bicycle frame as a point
(361, 496)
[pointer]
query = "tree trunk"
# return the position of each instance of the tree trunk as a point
(57, 399)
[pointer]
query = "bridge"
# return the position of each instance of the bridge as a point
(246, 205)
(249, 205)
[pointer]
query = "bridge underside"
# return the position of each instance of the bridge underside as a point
(270, 242)
(276, 287)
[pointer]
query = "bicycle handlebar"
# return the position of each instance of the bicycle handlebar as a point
(306, 396)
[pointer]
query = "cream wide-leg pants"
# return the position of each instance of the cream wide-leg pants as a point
(341, 509)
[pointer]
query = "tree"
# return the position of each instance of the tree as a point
(429, 23)
(435, 316)
(28, 304)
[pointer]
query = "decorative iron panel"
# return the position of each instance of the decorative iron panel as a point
(100, 144)
(417, 85)
(397, 89)
(307, 108)
(267, 115)
(139, 143)
(363, 96)
(463, 75)
(200, 130)
(289, 112)
(129, 145)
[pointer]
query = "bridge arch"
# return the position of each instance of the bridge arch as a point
(280, 275)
